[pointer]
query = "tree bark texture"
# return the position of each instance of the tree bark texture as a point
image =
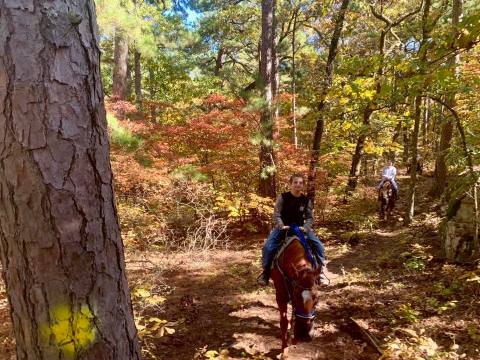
(120, 71)
(267, 73)
(60, 244)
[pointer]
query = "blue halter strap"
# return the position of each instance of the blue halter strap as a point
(296, 230)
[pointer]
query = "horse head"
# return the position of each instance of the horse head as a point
(305, 297)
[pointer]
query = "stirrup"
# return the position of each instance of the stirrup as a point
(263, 279)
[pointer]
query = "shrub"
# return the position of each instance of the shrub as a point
(121, 136)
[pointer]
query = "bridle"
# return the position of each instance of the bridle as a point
(294, 284)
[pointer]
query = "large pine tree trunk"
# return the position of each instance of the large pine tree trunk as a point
(267, 73)
(120, 71)
(60, 245)
(446, 134)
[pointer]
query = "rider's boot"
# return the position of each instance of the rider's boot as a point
(322, 278)
(263, 278)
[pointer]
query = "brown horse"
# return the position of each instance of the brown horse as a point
(386, 197)
(295, 281)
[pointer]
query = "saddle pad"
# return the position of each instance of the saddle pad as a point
(283, 246)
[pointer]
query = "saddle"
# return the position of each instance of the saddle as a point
(287, 240)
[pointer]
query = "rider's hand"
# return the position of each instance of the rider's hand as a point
(302, 229)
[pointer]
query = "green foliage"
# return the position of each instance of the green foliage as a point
(121, 136)
(188, 172)
(407, 313)
(415, 263)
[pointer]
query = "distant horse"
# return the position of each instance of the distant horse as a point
(386, 197)
(295, 281)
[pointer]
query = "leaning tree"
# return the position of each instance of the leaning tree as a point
(60, 245)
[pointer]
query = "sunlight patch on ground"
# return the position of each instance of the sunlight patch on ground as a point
(268, 314)
(254, 343)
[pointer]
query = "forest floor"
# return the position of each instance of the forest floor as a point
(387, 277)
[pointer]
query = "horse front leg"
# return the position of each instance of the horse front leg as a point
(283, 324)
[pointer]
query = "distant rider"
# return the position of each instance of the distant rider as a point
(389, 172)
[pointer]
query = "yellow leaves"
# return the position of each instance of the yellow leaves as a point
(414, 345)
(211, 354)
(368, 94)
(141, 293)
(347, 126)
(151, 326)
(371, 148)
(428, 346)
(155, 300)
(203, 353)
(148, 297)
(71, 331)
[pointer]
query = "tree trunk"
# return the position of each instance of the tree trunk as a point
(406, 146)
(413, 162)
(357, 156)
(426, 122)
(219, 61)
(128, 95)
(276, 90)
(446, 134)
(138, 80)
(396, 135)
(267, 73)
(120, 81)
(151, 80)
(427, 27)
(318, 133)
(294, 84)
(60, 244)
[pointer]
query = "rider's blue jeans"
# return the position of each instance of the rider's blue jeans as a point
(273, 242)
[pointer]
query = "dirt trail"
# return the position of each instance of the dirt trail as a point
(221, 308)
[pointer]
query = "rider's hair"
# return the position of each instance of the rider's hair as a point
(295, 176)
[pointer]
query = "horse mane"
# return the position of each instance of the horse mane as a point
(295, 264)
